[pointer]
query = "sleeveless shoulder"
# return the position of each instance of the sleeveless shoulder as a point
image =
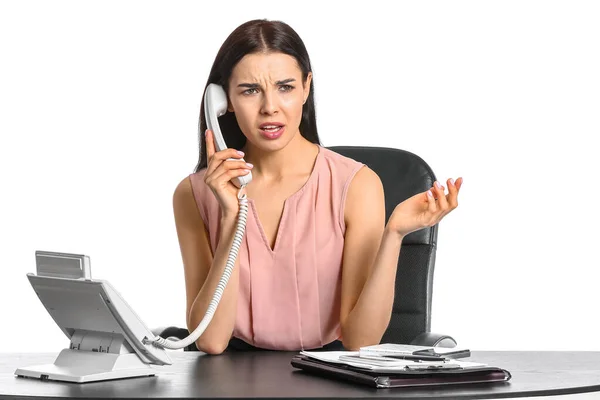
(339, 160)
(200, 190)
(340, 170)
(208, 206)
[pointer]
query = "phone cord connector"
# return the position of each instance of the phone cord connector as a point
(174, 344)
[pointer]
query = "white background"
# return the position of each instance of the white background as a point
(99, 106)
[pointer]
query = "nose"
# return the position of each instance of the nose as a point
(269, 103)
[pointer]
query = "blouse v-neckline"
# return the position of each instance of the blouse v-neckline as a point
(311, 177)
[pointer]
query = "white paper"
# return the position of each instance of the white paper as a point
(353, 359)
(398, 349)
(395, 348)
(329, 356)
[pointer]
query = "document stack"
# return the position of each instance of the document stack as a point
(394, 365)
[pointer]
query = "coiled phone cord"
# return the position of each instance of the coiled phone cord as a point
(174, 344)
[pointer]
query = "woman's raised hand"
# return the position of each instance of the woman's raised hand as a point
(425, 209)
(219, 173)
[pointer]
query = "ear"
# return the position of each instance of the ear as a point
(229, 105)
(306, 86)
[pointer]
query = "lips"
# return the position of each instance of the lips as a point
(271, 130)
(270, 125)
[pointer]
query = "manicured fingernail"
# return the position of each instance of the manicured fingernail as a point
(241, 153)
(429, 193)
(249, 165)
(452, 181)
(437, 185)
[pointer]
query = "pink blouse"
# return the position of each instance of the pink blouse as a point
(289, 296)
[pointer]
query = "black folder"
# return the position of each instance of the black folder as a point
(408, 378)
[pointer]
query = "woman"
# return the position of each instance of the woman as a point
(317, 264)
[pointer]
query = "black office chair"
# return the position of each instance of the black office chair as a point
(403, 175)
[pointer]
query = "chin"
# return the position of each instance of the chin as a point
(270, 145)
(273, 146)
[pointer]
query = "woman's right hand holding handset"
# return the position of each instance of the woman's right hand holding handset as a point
(219, 172)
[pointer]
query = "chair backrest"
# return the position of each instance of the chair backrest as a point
(403, 175)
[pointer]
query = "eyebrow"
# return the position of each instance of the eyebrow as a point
(256, 85)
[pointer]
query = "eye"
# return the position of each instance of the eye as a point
(286, 88)
(248, 91)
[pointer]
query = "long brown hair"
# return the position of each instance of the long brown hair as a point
(256, 36)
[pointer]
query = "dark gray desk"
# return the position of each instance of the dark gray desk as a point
(270, 375)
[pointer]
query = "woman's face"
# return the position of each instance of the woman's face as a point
(266, 93)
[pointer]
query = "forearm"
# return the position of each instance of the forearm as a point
(216, 336)
(368, 320)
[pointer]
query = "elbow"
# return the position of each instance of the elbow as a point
(355, 345)
(212, 348)
(353, 341)
(349, 346)
(211, 342)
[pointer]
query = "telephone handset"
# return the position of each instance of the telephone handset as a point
(215, 105)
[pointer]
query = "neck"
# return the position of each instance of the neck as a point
(276, 165)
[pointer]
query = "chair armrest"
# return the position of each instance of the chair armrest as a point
(434, 339)
(157, 331)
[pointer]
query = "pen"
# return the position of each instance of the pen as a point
(414, 357)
